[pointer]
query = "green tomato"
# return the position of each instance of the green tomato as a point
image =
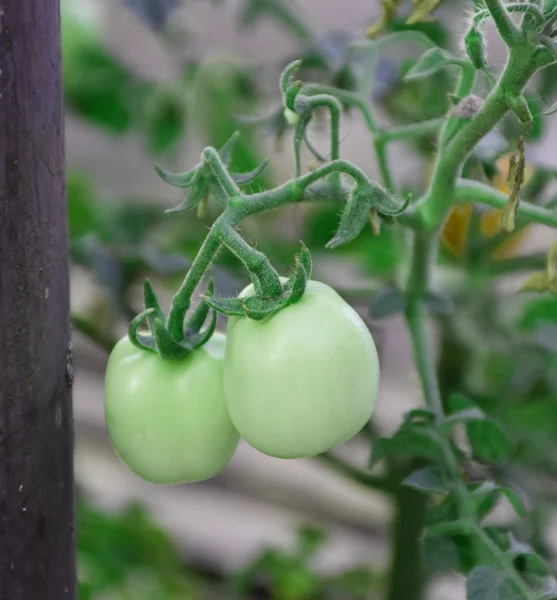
(304, 380)
(168, 421)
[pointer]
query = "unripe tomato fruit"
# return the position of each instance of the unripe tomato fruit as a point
(304, 380)
(168, 421)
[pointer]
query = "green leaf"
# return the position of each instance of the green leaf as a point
(489, 489)
(525, 558)
(409, 441)
(484, 583)
(439, 553)
(439, 303)
(488, 441)
(429, 479)
(429, 63)
(538, 312)
(387, 303)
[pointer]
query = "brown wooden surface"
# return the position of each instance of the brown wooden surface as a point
(37, 556)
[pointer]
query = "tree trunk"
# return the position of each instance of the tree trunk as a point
(37, 554)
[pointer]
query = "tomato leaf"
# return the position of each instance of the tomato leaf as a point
(387, 303)
(491, 490)
(438, 303)
(525, 558)
(488, 441)
(430, 480)
(484, 583)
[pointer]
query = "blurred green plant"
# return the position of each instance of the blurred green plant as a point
(126, 555)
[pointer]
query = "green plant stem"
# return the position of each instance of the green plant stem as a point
(423, 255)
(508, 31)
(182, 299)
(382, 484)
(436, 203)
(474, 191)
(406, 575)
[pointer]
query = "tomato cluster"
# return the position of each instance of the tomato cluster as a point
(292, 386)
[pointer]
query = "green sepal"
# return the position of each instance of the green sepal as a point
(139, 340)
(167, 348)
(199, 316)
(179, 180)
(241, 178)
(305, 260)
(151, 302)
(199, 191)
(226, 149)
(196, 341)
(231, 307)
(258, 309)
(355, 216)
(299, 283)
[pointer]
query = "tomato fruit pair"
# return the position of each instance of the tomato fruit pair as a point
(292, 386)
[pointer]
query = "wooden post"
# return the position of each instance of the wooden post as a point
(37, 553)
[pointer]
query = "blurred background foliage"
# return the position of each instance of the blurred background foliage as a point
(497, 348)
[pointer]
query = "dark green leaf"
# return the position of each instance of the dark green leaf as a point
(439, 553)
(414, 441)
(484, 583)
(387, 303)
(439, 303)
(488, 441)
(428, 479)
(489, 489)
(525, 558)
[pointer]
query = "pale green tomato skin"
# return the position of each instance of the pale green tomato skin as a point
(303, 381)
(168, 421)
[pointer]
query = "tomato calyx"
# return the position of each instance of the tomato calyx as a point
(201, 179)
(158, 339)
(364, 198)
(258, 307)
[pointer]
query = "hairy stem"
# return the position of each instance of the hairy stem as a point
(182, 300)
(436, 203)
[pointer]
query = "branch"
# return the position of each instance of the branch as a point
(508, 31)
(474, 191)
(382, 484)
